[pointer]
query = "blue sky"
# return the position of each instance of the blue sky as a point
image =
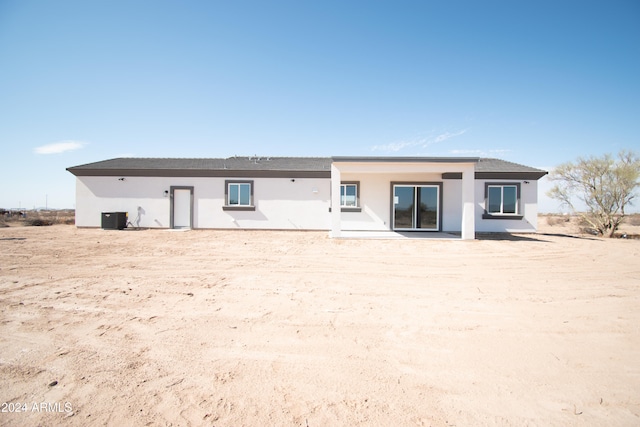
(534, 82)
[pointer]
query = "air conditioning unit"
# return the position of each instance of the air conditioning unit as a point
(114, 220)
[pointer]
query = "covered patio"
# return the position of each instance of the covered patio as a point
(375, 213)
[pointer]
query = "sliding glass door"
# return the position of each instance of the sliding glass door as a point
(416, 207)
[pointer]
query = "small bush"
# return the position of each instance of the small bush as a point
(558, 220)
(38, 222)
(633, 219)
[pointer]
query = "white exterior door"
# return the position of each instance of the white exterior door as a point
(182, 208)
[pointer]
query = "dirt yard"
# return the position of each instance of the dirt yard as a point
(233, 328)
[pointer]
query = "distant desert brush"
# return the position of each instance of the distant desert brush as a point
(37, 217)
(558, 219)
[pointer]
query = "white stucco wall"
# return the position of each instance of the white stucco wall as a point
(95, 195)
(285, 204)
(451, 204)
(280, 202)
(528, 208)
(375, 199)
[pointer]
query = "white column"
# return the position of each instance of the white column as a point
(335, 202)
(468, 227)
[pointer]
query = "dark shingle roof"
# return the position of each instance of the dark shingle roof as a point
(497, 165)
(272, 166)
(233, 163)
(231, 166)
(496, 168)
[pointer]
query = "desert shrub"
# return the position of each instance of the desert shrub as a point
(558, 220)
(38, 217)
(38, 222)
(604, 184)
(586, 227)
(633, 220)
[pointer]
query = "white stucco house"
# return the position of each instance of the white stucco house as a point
(418, 194)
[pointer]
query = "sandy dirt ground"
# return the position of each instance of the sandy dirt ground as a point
(255, 328)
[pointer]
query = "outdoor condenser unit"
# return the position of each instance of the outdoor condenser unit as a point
(114, 220)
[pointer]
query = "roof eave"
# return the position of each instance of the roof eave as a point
(202, 173)
(511, 175)
(391, 159)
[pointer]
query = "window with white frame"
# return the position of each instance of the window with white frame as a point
(502, 199)
(239, 193)
(349, 194)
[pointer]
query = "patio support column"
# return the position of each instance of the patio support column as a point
(468, 226)
(335, 202)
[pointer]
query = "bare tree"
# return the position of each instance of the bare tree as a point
(606, 185)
